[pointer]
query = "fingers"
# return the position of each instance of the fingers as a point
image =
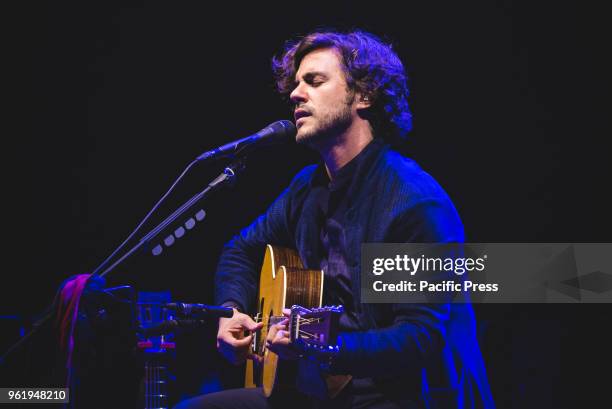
(239, 321)
(277, 335)
(242, 342)
(286, 312)
(256, 326)
(250, 325)
(281, 337)
(247, 322)
(256, 358)
(231, 340)
(234, 342)
(278, 341)
(275, 328)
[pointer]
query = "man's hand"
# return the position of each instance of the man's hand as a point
(231, 342)
(277, 340)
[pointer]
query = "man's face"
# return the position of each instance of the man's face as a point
(324, 107)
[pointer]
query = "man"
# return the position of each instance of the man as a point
(350, 95)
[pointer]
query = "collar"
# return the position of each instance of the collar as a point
(346, 174)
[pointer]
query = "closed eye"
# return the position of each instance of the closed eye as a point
(314, 79)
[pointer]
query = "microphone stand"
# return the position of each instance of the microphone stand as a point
(225, 178)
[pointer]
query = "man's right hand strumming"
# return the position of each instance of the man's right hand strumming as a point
(231, 341)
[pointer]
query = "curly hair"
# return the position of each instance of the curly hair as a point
(371, 68)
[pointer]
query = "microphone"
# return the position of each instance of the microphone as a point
(277, 132)
(167, 326)
(200, 310)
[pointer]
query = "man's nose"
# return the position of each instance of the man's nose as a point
(298, 95)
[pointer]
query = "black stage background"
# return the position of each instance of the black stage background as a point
(511, 104)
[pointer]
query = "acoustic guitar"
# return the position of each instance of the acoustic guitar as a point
(285, 283)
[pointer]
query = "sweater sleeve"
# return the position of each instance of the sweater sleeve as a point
(237, 276)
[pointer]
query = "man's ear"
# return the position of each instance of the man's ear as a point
(364, 101)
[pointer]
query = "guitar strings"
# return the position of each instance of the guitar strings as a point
(156, 387)
(147, 386)
(310, 320)
(300, 321)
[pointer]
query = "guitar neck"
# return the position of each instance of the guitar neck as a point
(155, 384)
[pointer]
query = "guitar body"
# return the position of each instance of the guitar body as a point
(284, 282)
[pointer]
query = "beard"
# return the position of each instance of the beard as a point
(326, 125)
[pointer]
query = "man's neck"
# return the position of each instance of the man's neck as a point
(340, 150)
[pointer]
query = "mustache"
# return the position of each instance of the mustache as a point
(303, 108)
